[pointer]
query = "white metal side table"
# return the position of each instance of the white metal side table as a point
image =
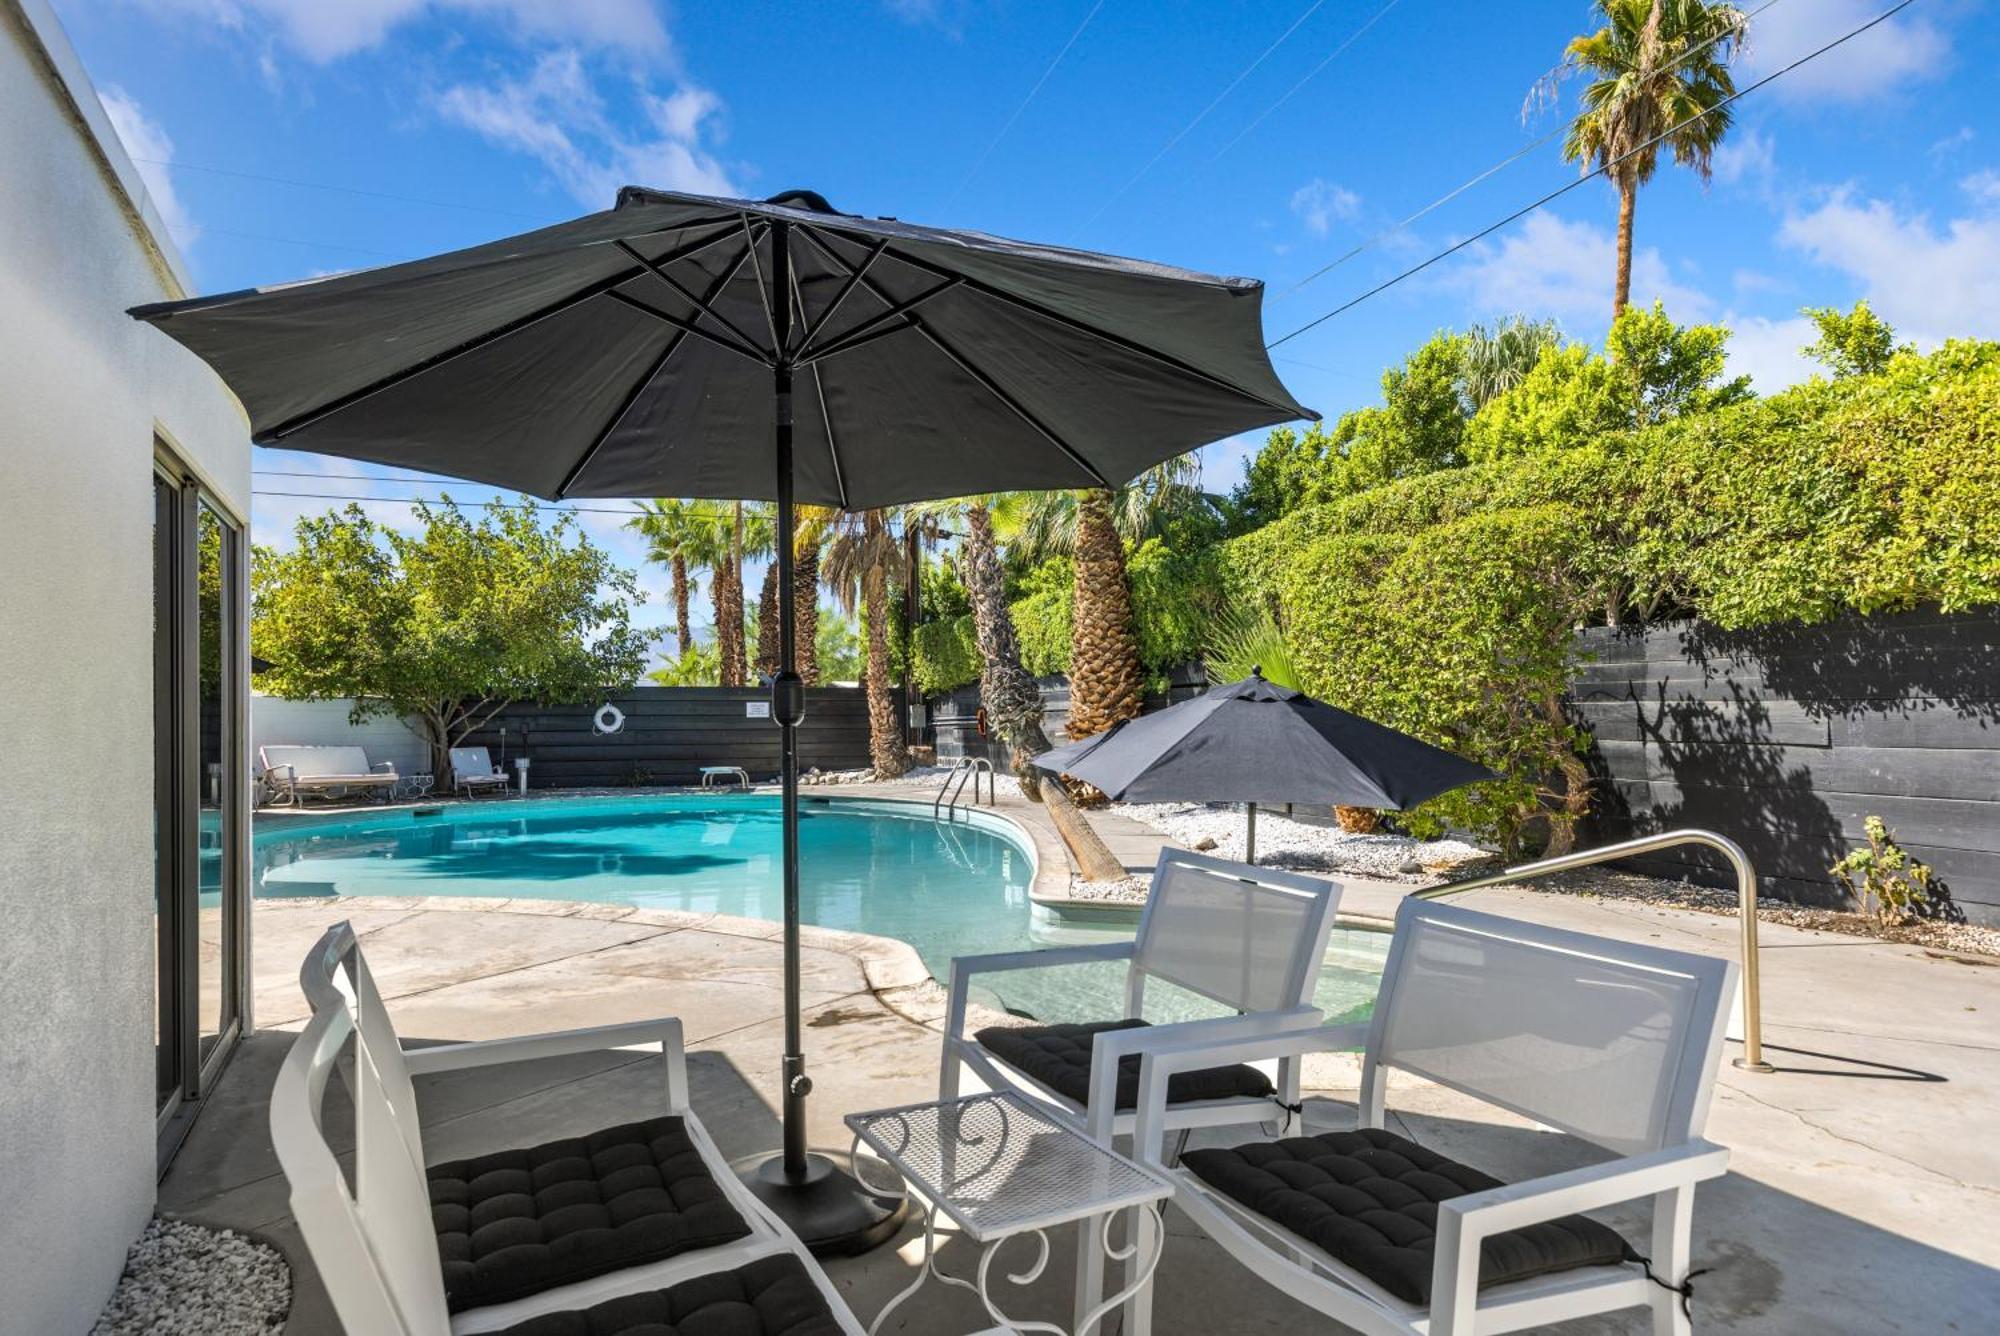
(996, 1166)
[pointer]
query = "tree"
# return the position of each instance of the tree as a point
(1659, 70)
(812, 526)
(678, 534)
(1852, 343)
(1107, 680)
(861, 562)
(838, 650)
(699, 666)
(446, 626)
(1492, 362)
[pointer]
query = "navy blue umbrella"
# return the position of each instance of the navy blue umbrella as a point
(1257, 742)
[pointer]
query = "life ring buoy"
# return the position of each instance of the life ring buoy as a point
(608, 719)
(980, 722)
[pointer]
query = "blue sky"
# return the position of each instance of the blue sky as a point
(1263, 139)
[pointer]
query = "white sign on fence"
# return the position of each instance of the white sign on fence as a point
(756, 709)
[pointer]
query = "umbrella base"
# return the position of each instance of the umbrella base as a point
(828, 1208)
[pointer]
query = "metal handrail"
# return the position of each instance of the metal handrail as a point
(1746, 897)
(966, 767)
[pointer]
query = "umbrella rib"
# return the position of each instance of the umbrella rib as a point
(673, 346)
(832, 445)
(706, 308)
(1082, 327)
(971, 369)
(833, 307)
(763, 288)
(750, 351)
(352, 397)
(870, 329)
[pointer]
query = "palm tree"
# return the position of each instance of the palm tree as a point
(747, 530)
(862, 560)
(677, 534)
(1107, 681)
(1658, 68)
(1492, 362)
(813, 525)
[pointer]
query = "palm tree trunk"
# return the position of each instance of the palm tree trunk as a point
(682, 631)
(885, 729)
(1106, 681)
(767, 622)
(729, 607)
(805, 614)
(1628, 198)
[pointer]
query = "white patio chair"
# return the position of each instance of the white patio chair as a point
(473, 771)
(630, 1228)
(1610, 1042)
(291, 773)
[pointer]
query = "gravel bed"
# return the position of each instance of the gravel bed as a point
(1125, 890)
(1306, 846)
(187, 1278)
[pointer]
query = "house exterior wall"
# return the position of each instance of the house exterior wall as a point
(276, 722)
(84, 390)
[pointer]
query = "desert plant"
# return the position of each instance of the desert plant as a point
(1886, 883)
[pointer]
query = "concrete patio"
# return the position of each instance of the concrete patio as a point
(1862, 1196)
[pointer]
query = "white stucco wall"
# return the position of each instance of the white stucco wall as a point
(323, 723)
(83, 389)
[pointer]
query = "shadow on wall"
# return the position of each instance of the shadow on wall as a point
(1785, 739)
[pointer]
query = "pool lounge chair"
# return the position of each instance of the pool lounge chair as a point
(635, 1228)
(293, 773)
(1613, 1043)
(473, 771)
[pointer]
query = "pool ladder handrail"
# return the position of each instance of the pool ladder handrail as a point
(962, 769)
(1746, 901)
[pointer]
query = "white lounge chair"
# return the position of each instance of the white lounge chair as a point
(292, 773)
(635, 1227)
(473, 771)
(1613, 1043)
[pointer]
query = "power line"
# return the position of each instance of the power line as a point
(1602, 170)
(338, 190)
(1497, 167)
(987, 152)
(1168, 147)
(1332, 56)
(295, 241)
(348, 477)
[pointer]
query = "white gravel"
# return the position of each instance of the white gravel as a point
(183, 1279)
(1308, 847)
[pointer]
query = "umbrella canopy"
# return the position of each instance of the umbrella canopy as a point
(682, 345)
(1257, 742)
(630, 353)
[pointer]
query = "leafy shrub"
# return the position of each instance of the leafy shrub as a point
(1883, 879)
(947, 656)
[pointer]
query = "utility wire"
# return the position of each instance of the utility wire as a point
(1182, 133)
(987, 152)
(1331, 56)
(338, 190)
(1497, 167)
(1524, 211)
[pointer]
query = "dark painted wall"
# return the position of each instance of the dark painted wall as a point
(1785, 739)
(670, 732)
(954, 715)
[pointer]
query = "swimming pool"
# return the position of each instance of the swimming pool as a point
(879, 867)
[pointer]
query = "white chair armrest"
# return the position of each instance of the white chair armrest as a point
(1110, 1047)
(964, 967)
(386, 767)
(291, 771)
(664, 1031)
(1464, 1223)
(1169, 1058)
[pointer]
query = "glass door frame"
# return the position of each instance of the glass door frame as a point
(185, 1073)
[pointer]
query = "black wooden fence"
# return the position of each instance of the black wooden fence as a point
(954, 716)
(1785, 739)
(669, 733)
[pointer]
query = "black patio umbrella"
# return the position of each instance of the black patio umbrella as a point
(1256, 742)
(681, 345)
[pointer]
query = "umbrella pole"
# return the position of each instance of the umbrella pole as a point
(829, 1209)
(1250, 835)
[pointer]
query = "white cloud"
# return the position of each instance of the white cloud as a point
(557, 115)
(1983, 185)
(1952, 144)
(326, 30)
(1931, 282)
(1748, 156)
(150, 150)
(1905, 49)
(1319, 204)
(1770, 351)
(1551, 266)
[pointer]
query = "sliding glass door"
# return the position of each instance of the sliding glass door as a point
(200, 796)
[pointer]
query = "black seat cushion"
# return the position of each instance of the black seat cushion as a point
(1369, 1199)
(523, 1221)
(1059, 1057)
(772, 1296)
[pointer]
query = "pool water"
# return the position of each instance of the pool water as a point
(885, 868)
